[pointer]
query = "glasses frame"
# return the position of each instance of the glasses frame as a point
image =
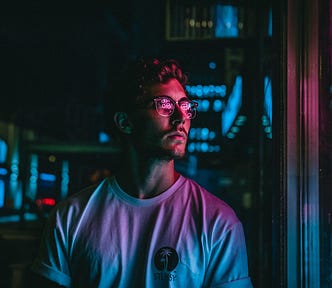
(193, 105)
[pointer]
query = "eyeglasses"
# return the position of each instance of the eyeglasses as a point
(165, 106)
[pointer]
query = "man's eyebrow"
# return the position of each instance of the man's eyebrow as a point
(163, 95)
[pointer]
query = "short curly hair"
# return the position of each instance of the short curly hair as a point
(129, 85)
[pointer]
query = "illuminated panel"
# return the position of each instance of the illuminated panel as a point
(2, 193)
(269, 26)
(47, 177)
(3, 171)
(267, 116)
(268, 98)
(218, 116)
(204, 136)
(3, 174)
(233, 106)
(186, 20)
(65, 179)
(3, 151)
(14, 185)
(226, 21)
(32, 183)
(48, 185)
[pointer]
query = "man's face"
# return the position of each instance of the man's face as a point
(162, 136)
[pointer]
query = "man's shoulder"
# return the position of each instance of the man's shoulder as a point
(78, 200)
(201, 191)
(211, 204)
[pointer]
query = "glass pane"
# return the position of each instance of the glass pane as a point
(326, 147)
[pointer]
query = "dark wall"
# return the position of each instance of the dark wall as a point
(56, 60)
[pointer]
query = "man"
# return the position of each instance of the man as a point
(147, 226)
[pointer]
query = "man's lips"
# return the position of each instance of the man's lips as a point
(177, 135)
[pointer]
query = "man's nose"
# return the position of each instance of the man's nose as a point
(179, 115)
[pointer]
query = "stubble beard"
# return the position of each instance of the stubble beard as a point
(160, 152)
(164, 154)
(160, 147)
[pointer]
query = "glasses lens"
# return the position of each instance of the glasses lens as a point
(189, 108)
(164, 106)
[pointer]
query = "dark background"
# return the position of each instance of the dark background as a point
(56, 60)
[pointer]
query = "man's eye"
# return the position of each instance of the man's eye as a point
(185, 106)
(166, 105)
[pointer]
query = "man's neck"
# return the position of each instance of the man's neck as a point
(143, 177)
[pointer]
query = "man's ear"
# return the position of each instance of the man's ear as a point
(121, 120)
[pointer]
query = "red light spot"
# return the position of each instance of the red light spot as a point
(48, 201)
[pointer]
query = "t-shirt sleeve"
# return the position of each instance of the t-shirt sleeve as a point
(228, 265)
(52, 259)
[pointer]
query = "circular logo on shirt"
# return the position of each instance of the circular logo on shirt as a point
(166, 259)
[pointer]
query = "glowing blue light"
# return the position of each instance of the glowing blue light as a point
(212, 65)
(14, 168)
(64, 179)
(198, 133)
(3, 171)
(47, 177)
(191, 147)
(34, 172)
(222, 90)
(268, 129)
(204, 147)
(104, 137)
(226, 21)
(240, 120)
(2, 193)
(265, 121)
(192, 133)
(218, 89)
(205, 134)
(205, 105)
(13, 177)
(206, 91)
(268, 98)
(230, 135)
(212, 135)
(3, 151)
(199, 91)
(33, 179)
(233, 106)
(269, 26)
(198, 147)
(217, 105)
(235, 129)
(15, 187)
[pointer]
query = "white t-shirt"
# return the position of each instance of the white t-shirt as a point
(184, 237)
